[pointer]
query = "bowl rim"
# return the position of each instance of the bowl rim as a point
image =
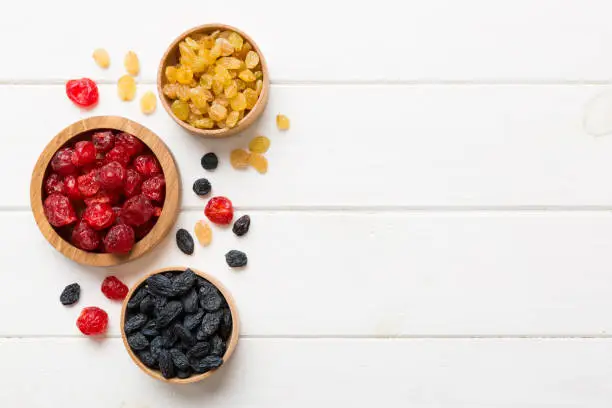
(171, 203)
(231, 345)
(249, 118)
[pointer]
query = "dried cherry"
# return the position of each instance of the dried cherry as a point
(219, 210)
(132, 184)
(114, 289)
(99, 216)
(147, 165)
(130, 143)
(59, 211)
(85, 237)
(83, 92)
(154, 188)
(62, 162)
(54, 184)
(111, 175)
(119, 239)
(118, 154)
(92, 321)
(137, 210)
(88, 184)
(71, 188)
(103, 141)
(84, 153)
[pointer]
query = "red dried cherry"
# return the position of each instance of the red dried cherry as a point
(130, 143)
(219, 210)
(84, 153)
(71, 188)
(59, 211)
(147, 165)
(118, 154)
(142, 230)
(62, 162)
(83, 92)
(107, 197)
(118, 219)
(88, 184)
(133, 180)
(84, 237)
(119, 239)
(137, 210)
(111, 175)
(113, 288)
(92, 320)
(103, 141)
(54, 184)
(99, 216)
(154, 188)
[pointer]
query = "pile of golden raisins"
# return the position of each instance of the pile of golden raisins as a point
(218, 80)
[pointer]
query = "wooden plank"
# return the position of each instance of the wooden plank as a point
(547, 40)
(423, 373)
(442, 146)
(355, 274)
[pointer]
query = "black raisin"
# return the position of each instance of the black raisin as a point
(160, 303)
(190, 301)
(182, 282)
(205, 289)
(209, 161)
(184, 374)
(138, 341)
(199, 350)
(225, 329)
(185, 335)
(166, 366)
(211, 322)
(150, 329)
(169, 275)
(156, 346)
(211, 301)
(241, 226)
(179, 359)
(200, 282)
(147, 358)
(200, 336)
(184, 240)
(70, 295)
(135, 322)
(192, 321)
(206, 364)
(147, 305)
(137, 297)
(201, 187)
(169, 337)
(168, 313)
(217, 346)
(160, 285)
(236, 259)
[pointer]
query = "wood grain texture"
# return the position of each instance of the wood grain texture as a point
(171, 57)
(171, 204)
(231, 344)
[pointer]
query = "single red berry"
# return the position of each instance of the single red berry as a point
(62, 162)
(88, 184)
(106, 197)
(111, 175)
(137, 210)
(84, 153)
(219, 210)
(119, 239)
(130, 143)
(99, 216)
(71, 188)
(118, 219)
(133, 181)
(114, 289)
(147, 165)
(141, 231)
(154, 188)
(84, 237)
(103, 141)
(118, 154)
(157, 211)
(92, 320)
(83, 92)
(59, 211)
(54, 184)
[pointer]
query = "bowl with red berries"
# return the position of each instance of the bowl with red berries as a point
(105, 191)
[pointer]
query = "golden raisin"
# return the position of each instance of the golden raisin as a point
(206, 81)
(203, 232)
(239, 158)
(229, 63)
(148, 103)
(204, 123)
(226, 48)
(180, 109)
(184, 75)
(235, 40)
(232, 119)
(101, 58)
(171, 74)
(170, 90)
(259, 144)
(131, 63)
(126, 88)
(217, 112)
(259, 87)
(247, 76)
(251, 98)
(251, 60)
(282, 122)
(258, 162)
(239, 103)
(222, 100)
(231, 90)
(182, 92)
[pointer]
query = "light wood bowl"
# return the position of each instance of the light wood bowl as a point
(171, 57)
(231, 343)
(171, 203)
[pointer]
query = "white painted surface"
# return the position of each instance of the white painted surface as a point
(437, 187)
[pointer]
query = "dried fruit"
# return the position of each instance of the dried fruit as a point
(62, 162)
(282, 122)
(118, 154)
(219, 210)
(168, 313)
(101, 58)
(138, 341)
(99, 216)
(180, 109)
(239, 102)
(119, 239)
(241, 226)
(184, 335)
(147, 165)
(169, 337)
(154, 188)
(209, 161)
(137, 210)
(103, 141)
(259, 163)
(159, 284)
(247, 76)
(137, 297)
(190, 301)
(132, 184)
(92, 321)
(126, 88)
(71, 293)
(251, 60)
(199, 350)
(211, 301)
(84, 153)
(211, 322)
(184, 241)
(184, 374)
(206, 364)
(201, 187)
(54, 184)
(203, 233)
(88, 184)
(147, 358)
(131, 63)
(114, 289)
(71, 188)
(194, 320)
(226, 324)
(85, 237)
(182, 282)
(236, 259)
(148, 103)
(135, 323)
(166, 366)
(179, 359)
(82, 92)
(232, 119)
(130, 143)
(239, 158)
(217, 346)
(156, 346)
(150, 329)
(147, 306)
(259, 144)
(111, 175)
(59, 211)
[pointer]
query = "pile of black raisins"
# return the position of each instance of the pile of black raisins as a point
(178, 323)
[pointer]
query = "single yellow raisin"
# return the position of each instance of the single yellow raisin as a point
(258, 74)
(217, 112)
(170, 90)
(232, 119)
(251, 60)
(247, 76)
(217, 86)
(231, 90)
(229, 62)
(194, 109)
(259, 87)
(207, 57)
(148, 103)
(239, 158)
(239, 103)
(221, 124)
(101, 58)
(184, 75)
(251, 98)
(241, 85)
(225, 47)
(236, 40)
(259, 144)
(180, 109)
(171, 74)
(204, 123)
(215, 51)
(222, 74)
(131, 63)
(206, 81)
(208, 42)
(258, 162)
(221, 99)
(282, 122)
(193, 44)
(199, 64)
(183, 93)
(126, 88)
(246, 47)
(203, 232)
(186, 51)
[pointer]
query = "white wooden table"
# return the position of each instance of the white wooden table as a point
(434, 230)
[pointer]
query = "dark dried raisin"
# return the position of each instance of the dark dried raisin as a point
(205, 288)
(184, 241)
(166, 366)
(150, 329)
(159, 284)
(169, 337)
(236, 259)
(199, 350)
(209, 161)
(184, 374)
(225, 329)
(211, 301)
(179, 359)
(211, 322)
(134, 323)
(192, 321)
(71, 294)
(160, 303)
(201, 187)
(156, 346)
(137, 297)
(200, 336)
(206, 364)
(168, 313)
(185, 335)
(147, 358)
(242, 225)
(182, 282)
(190, 301)
(147, 305)
(138, 341)
(217, 346)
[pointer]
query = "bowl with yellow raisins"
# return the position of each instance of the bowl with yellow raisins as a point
(213, 80)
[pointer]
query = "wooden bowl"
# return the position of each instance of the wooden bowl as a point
(71, 134)
(231, 343)
(171, 57)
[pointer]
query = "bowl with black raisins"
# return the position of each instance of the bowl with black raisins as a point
(179, 325)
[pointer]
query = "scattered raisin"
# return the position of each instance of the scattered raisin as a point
(201, 187)
(259, 144)
(236, 259)
(210, 161)
(131, 63)
(259, 162)
(203, 233)
(184, 241)
(126, 88)
(70, 295)
(239, 158)
(241, 226)
(282, 122)
(101, 58)
(148, 103)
